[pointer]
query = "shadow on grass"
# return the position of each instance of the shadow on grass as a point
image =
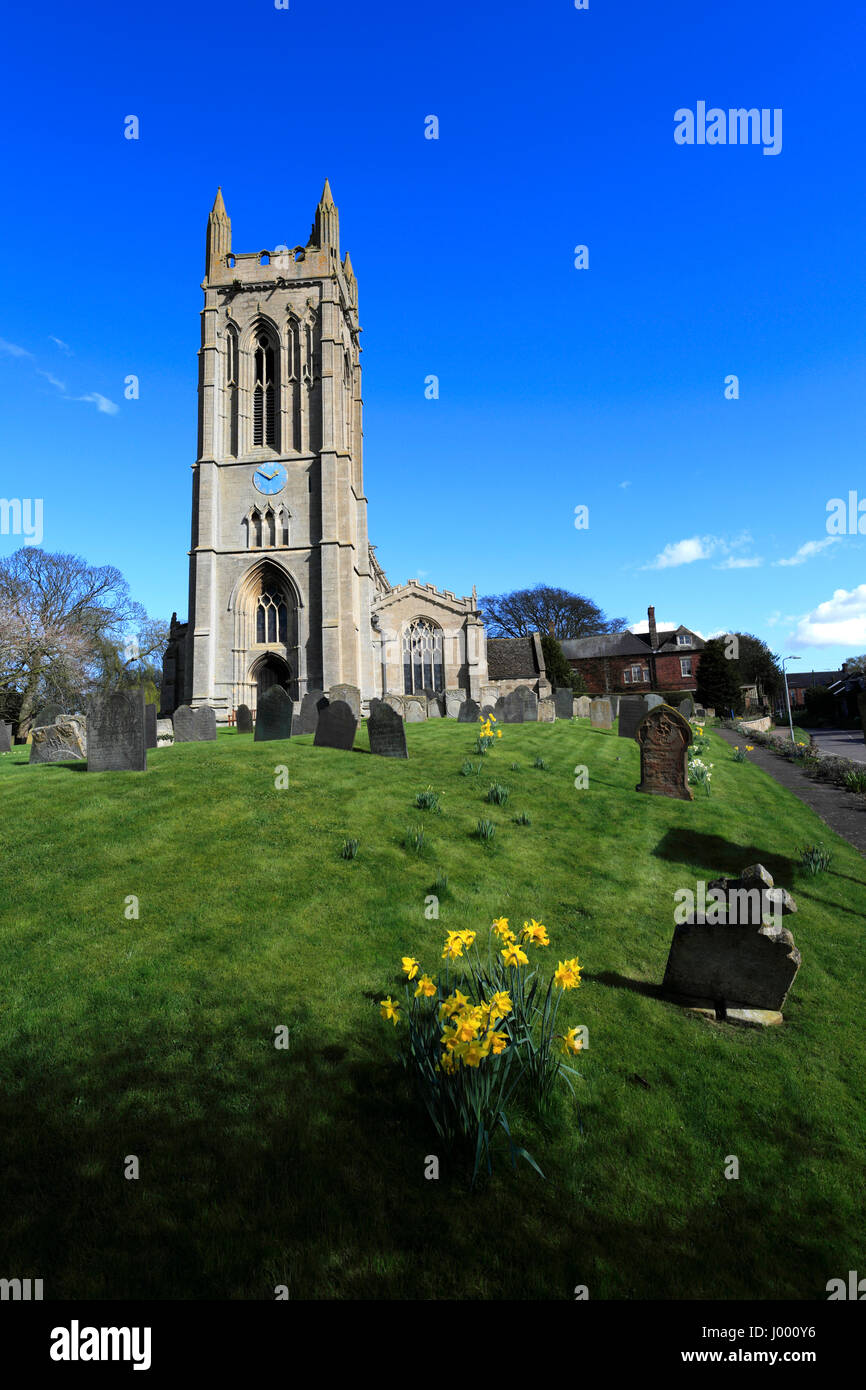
(720, 856)
(616, 981)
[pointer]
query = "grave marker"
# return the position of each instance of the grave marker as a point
(273, 715)
(116, 732)
(386, 731)
(337, 726)
(664, 736)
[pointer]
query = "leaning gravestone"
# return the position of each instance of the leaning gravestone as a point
(116, 733)
(61, 742)
(664, 736)
(583, 707)
(387, 731)
(308, 715)
(150, 739)
(687, 707)
(194, 725)
(5, 737)
(546, 710)
(244, 719)
(600, 714)
(273, 715)
(632, 709)
(563, 699)
(337, 726)
(349, 694)
(746, 961)
(468, 712)
(416, 710)
(652, 701)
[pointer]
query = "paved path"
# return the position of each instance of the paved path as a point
(843, 811)
(840, 743)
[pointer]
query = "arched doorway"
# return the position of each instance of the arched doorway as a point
(271, 670)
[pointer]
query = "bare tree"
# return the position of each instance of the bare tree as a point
(57, 615)
(545, 609)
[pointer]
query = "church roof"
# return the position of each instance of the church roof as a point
(509, 658)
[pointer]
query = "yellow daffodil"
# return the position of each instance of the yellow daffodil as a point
(500, 1004)
(491, 719)
(453, 946)
(410, 967)
(425, 987)
(571, 1042)
(536, 932)
(498, 733)
(467, 937)
(498, 1042)
(466, 1027)
(512, 955)
(390, 1008)
(567, 974)
(453, 1004)
(750, 748)
(475, 1053)
(500, 926)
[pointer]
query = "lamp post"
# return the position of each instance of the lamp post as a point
(788, 693)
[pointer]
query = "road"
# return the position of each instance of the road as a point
(840, 743)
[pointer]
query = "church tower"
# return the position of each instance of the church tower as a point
(281, 583)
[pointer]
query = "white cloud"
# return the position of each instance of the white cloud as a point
(807, 551)
(684, 552)
(625, 484)
(13, 349)
(61, 385)
(744, 562)
(840, 621)
(102, 403)
(64, 347)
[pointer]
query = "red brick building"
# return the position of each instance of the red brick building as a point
(637, 662)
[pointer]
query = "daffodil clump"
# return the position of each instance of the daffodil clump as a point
(483, 1029)
(487, 735)
(701, 774)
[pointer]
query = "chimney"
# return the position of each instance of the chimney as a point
(653, 635)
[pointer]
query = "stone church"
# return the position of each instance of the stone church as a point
(284, 586)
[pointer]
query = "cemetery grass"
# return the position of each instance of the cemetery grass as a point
(304, 1167)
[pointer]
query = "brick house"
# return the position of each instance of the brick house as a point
(637, 662)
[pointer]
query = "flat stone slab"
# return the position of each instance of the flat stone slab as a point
(62, 742)
(386, 731)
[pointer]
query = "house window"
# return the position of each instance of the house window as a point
(683, 639)
(422, 657)
(685, 666)
(635, 675)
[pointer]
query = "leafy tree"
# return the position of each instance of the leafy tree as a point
(559, 672)
(719, 678)
(545, 609)
(759, 666)
(854, 665)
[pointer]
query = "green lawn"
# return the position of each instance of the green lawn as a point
(305, 1167)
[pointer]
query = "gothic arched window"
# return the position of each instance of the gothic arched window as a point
(423, 667)
(232, 388)
(271, 617)
(264, 392)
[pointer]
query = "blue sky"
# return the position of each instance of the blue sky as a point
(559, 387)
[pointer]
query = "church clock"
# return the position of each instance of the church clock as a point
(270, 478)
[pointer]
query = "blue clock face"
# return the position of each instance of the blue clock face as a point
(270, 478)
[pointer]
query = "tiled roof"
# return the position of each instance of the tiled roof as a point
(509, 658)
(603, 644)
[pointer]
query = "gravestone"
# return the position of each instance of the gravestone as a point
(601, 714)
(150, 739)
(454, 700)
(632, 709)
(336, 727)
(564, 701)
(396, 703)
(664, 736)
(748, 961)
(164, 733)
(244, 719)
(546, 710)
(194, 725)
(583, 707)
(273, 715)
(517, 707)
(116, 732)
(487, 711)
(386, 731)
(652, 701)
(435, 707)
(5, 737)
(687, 707)
(307, 716)
(416, 709)
(350, 695)
(48, 714)
(61, 742)
(468, 712)
(528, 702)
